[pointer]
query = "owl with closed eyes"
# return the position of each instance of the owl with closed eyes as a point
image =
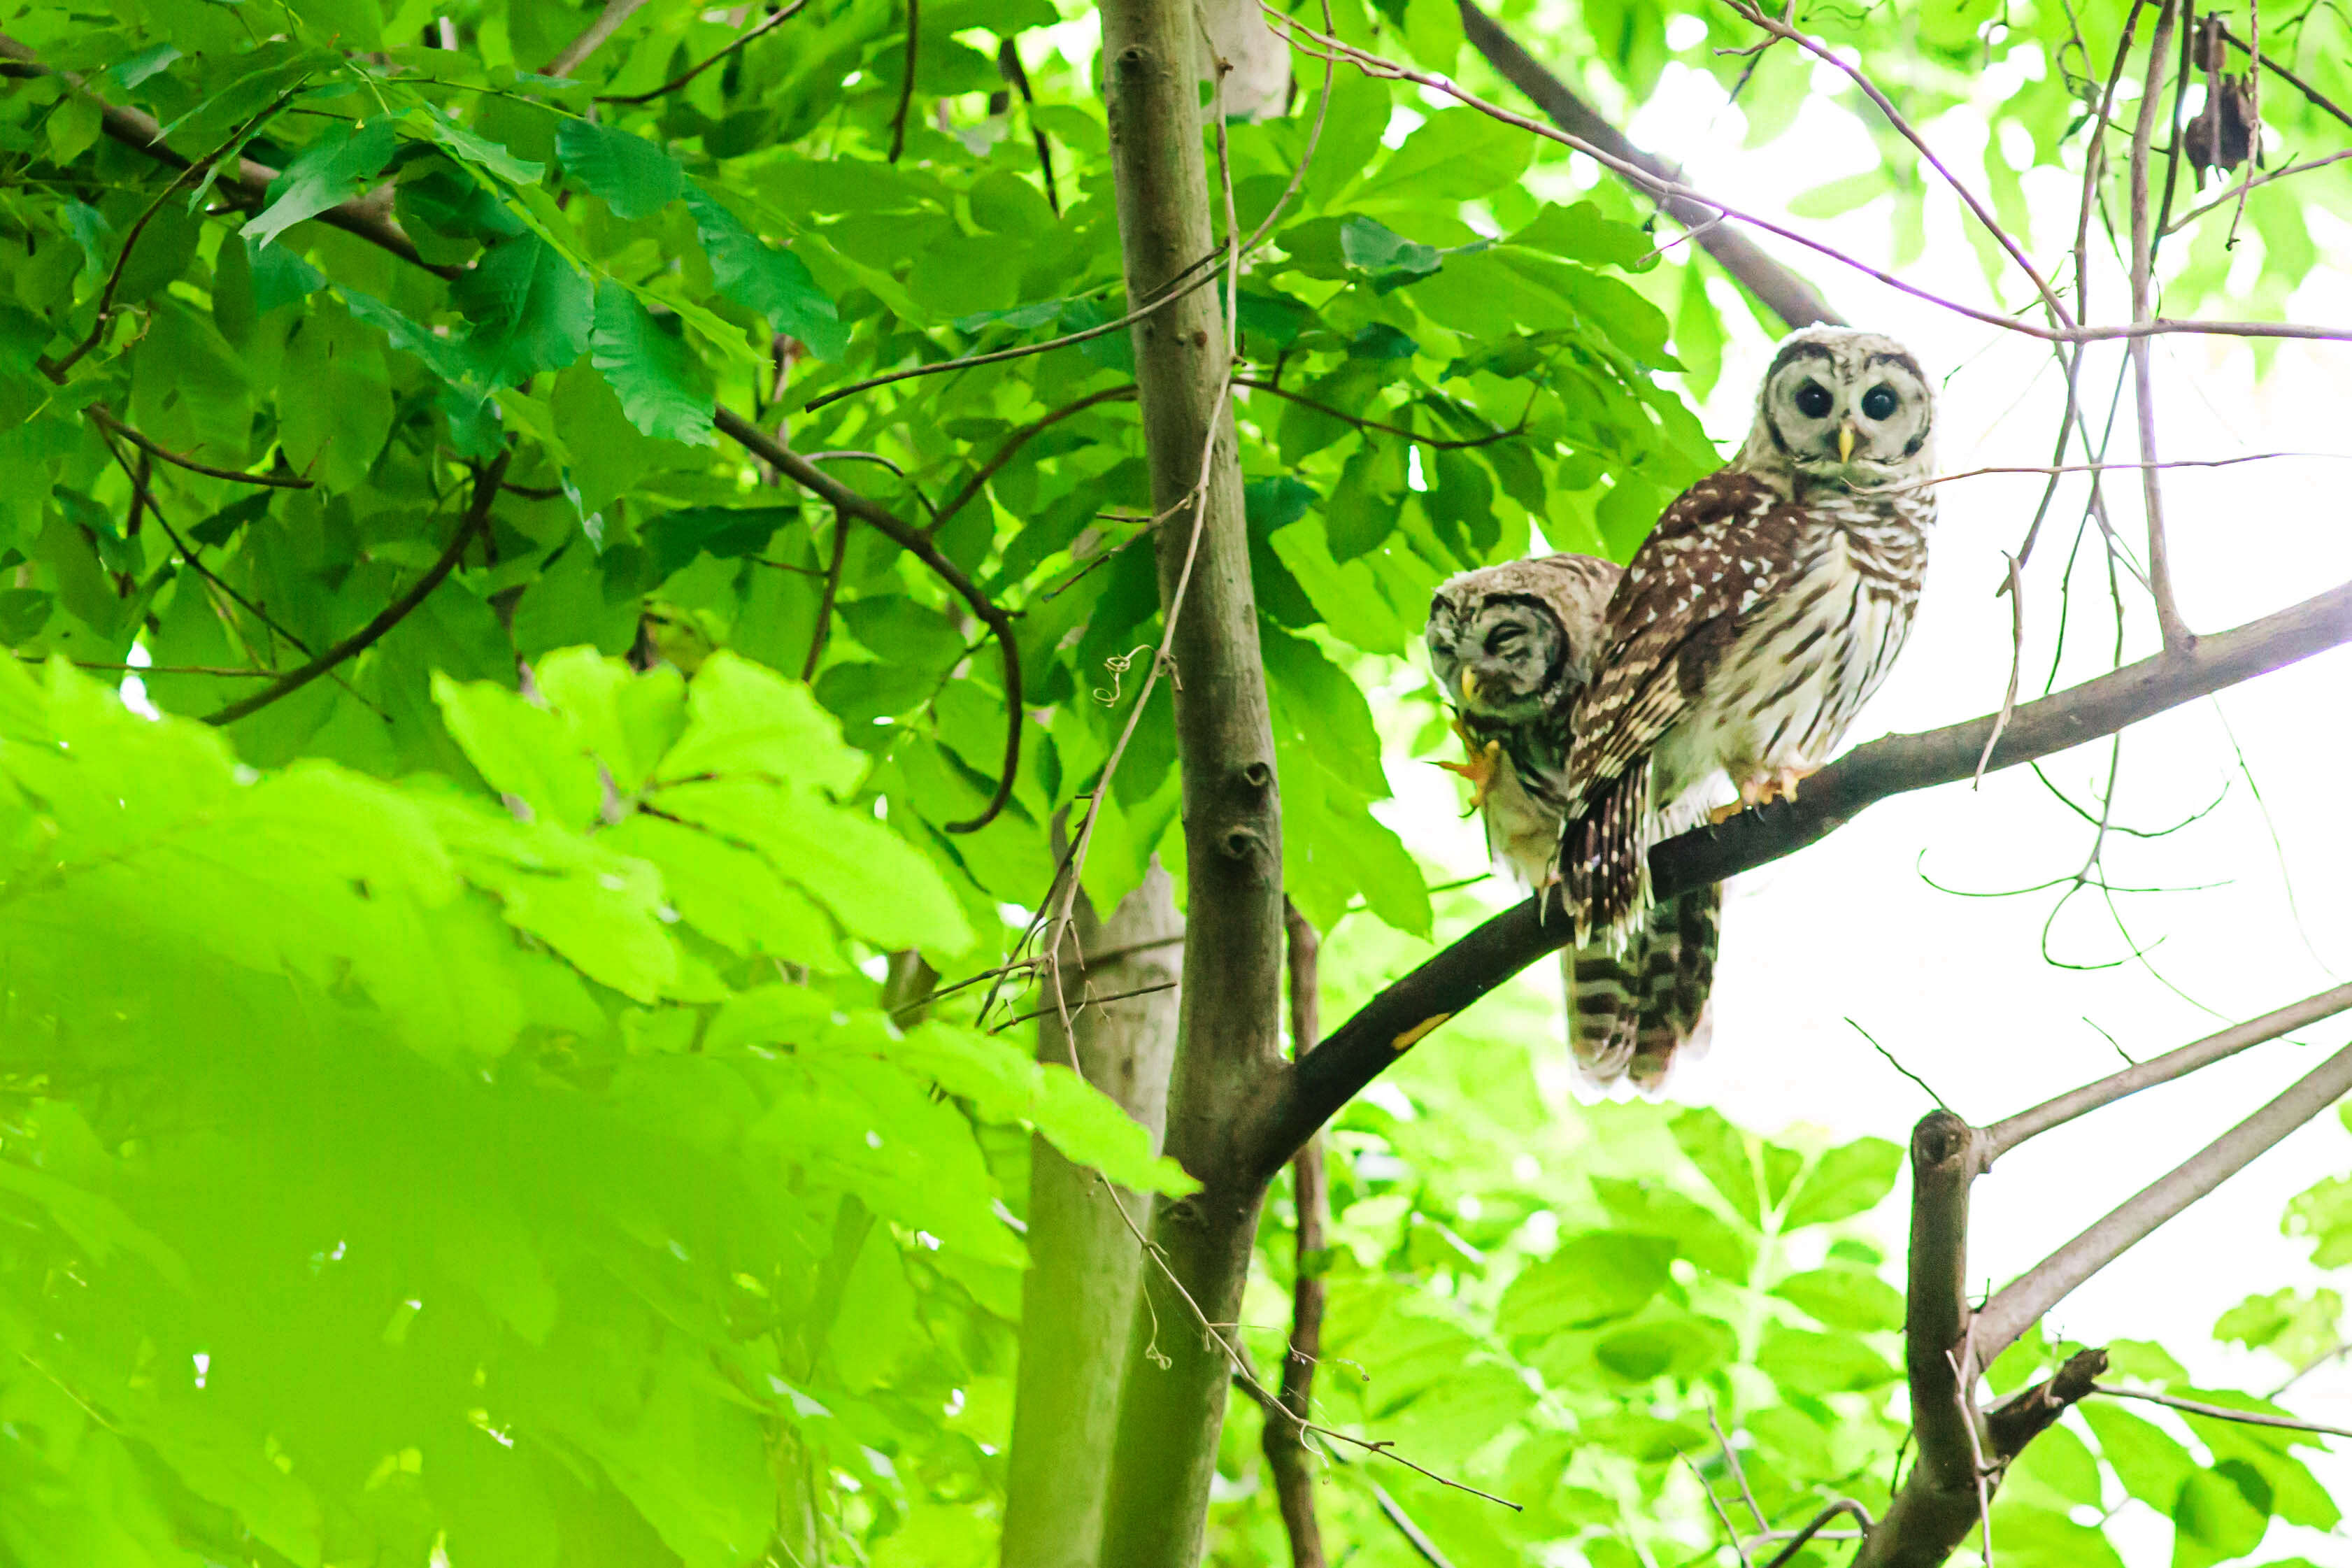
(1515, 646)
(1755, 621)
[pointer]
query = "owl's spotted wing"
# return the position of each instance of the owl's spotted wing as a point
(1725, 543)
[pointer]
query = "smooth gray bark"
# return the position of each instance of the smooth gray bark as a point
(1078, 1297)
(1228, 1050)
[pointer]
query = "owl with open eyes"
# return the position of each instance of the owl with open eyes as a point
(1514, 647)
(1755, 621)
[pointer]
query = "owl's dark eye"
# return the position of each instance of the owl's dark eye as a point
(1502, 639)
(1878, 403)
(1813, 400)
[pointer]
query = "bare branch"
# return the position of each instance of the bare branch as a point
(477, 518)
(2016, 1306)
(1756, 16)
(2175, 631)
(1847, 1506)
(916, 543)
(607, 22)
(1326, 47)
(245, 183)
(1786, 295)
(906, 88)
(1455, 978)
(773, 19)
(2221, 1411)
(1018, 440)
(2009, 1132)
(157, 448)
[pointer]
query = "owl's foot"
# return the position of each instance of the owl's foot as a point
(1480, 770)
(1779, 784)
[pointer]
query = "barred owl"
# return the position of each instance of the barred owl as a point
(1758, 618)
(1514, 647)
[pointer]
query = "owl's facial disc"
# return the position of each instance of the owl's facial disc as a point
(1504, 658)
(1853, 411)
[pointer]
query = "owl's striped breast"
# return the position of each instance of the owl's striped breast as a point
(1809, 653)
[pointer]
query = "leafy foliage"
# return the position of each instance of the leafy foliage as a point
(457, 1111)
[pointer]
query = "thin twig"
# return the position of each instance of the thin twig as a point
(1190, 278)
(832, 590)
(1846, 1506)
(2220, 1412)
(1085, 1002)
(2016, 668)
(1009, 66)
(1731, 1462)
(2176, 632)
(2008, 1133)
(1014, 442)
(773, 19)
(1755, 16)
(1730, 1531)
(1362, 424)
(1372, 65)
(2254, 179)
(2312, 95)
(906, 88)
(1897, 1065)
(607, 22)
(477, 516)
(810, 478)
(155, 448)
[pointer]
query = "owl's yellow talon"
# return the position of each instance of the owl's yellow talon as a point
(1480, 770)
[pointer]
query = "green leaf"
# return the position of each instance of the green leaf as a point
(635, 177)
(333, 170)
(530, 311)
(2213, 1523)
(1851, 1178)
(1588, 1279)
(743, 718)
(765, 279)
(1720, 1152)
(1810, 1363)
(522, 750)
(658, 380)
(1844, 1299)
(1579, 233)
(475, 148)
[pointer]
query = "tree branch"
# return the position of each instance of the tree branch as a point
(916, 543)
(780, 15)
(157, 449)
(2175, 631)
(2009, 1133)
(2221, 1411)
(1453, 979)
(1284, 1437)
(1785, 294)
(607, 22)
(2016, 1306)
(245, 183)
(477, 516)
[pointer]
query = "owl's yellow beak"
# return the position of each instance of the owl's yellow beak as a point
(1847, 434)
(1469, 687)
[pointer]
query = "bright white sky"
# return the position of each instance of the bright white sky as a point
(1958, 988)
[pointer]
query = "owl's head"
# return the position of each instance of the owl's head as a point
(1846, 406)
(1504, 640)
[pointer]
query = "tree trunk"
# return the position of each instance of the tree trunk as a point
(1078, 1297)
(1228, 1051)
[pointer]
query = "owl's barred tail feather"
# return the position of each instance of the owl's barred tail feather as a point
(1604, 862)
(1637, 1012)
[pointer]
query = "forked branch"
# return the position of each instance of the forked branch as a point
(916, 543)
(1456, 977)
